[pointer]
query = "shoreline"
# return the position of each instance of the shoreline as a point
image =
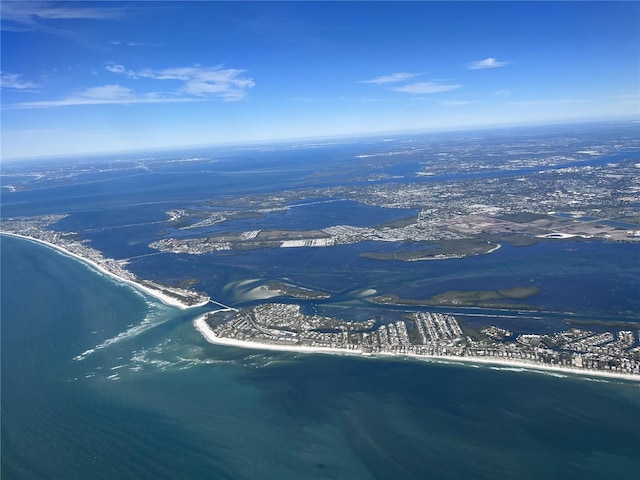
(201, 326)
(167, 300)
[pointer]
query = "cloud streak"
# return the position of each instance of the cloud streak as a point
(14, 81)
(417, 88)
(194, 84)
(104, 95)
(118, 43)
(392, 78)
(229, 84)
(489, 62)
(32, 14)
(420, 88)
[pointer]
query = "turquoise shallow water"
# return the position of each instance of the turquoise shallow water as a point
(151, 399)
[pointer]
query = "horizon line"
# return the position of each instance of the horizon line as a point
(327, 137)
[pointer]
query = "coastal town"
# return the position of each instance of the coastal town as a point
(282, 326)
(548, 196)
(35, 228)
(423, 334)
(448, 204)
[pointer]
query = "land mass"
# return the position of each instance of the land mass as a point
(429, 335)
(470, 298)
(448, 211)
(35, 230)
(293, 291)
(458, 203)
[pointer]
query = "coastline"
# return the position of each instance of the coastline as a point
(201, 326)
(167, 300)
(204, 329)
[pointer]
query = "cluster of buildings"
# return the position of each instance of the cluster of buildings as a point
(431, 334)
(327, 237)
(286, 324)
(36, 228)
(192, 245)
(585, 199)
(605, 191)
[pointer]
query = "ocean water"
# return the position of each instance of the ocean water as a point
(99, 381)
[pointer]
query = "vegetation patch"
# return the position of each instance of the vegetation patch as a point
(467, 298)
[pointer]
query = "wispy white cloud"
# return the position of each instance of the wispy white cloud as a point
(195, 84)
(108, 93)
(117, 43)
(104, 95)
(489, 62)
(31, 14)
(426, 87)
(14, 81)
(120, 70)
(228, 84)
(392, 78)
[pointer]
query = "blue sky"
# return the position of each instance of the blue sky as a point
(107, 76)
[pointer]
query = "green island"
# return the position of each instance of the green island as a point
(438, 250)
(468, 298)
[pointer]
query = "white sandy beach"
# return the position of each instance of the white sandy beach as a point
(167, 300)
(497, 247)
(201, 325)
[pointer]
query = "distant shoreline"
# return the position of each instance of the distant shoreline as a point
(167, 300)
(201, 326)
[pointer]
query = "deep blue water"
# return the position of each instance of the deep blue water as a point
(154, 400)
